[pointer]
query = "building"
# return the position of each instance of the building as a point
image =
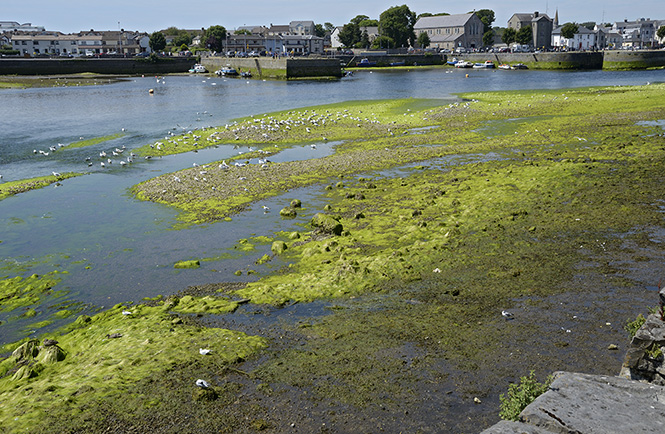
(584, 39)
(49, 43)
(452, 31)
(90, 43)
(302, 28)
(541, 27)
(13, 26)
(302, 44)
(638, 34)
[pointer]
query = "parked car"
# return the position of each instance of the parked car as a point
(253, 53)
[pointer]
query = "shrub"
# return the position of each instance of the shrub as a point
(522, 394)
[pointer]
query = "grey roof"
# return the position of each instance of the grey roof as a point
(457, 20)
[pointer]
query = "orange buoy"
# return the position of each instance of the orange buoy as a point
(151, 91)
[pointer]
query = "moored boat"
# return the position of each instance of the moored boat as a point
(198, 68)
(365, 62)
(226, 71)
(463, 64)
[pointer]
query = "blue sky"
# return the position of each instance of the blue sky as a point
(149, 15)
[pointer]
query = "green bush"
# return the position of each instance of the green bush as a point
(522, 394)
(633, 326)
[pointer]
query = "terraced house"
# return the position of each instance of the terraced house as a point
(452, 31)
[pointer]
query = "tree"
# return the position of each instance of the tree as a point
(427, 14)
(661, 32)
(423, 40)
(364, 40)
(368, 23)
(319, 30)
(383, 42)
(157, 41)
(488, 37)
(350, 35)
(589, 25)
(329, 27)
(397, 23)
(358, 19)
(214, 38)
(524, 35)
(509, 36)
(487, 17)
(242, 32)
(569, 30)
(183, 38)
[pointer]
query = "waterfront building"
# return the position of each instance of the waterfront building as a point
(639, 33)
(452, 31)
(541, 27)
(584, 39)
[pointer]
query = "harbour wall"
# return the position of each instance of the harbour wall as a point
(576, 59)
(21, 66)
(277, 68)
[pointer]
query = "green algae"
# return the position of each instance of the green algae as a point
(17, 292)
(94, 141)
(11, 188)
(106, 356)
(194, 263)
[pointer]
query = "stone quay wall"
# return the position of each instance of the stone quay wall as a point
(20, 66)
(278, 68)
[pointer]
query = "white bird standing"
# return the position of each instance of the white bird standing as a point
(507, 315)
(204, 351)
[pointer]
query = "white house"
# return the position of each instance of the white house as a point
(584, 39)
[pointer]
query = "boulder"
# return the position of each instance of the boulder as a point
(204, 394)
(51, 354)
(278, 247)
(27, 350)
(288, 212)
(296, 203)
(327, 224)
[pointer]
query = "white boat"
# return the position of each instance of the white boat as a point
(505, 66)
(463, 64)
(198, 68)
(226, 71)
(486, 65)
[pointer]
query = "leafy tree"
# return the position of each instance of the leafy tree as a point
(214, 38)
(661, 32)
(509, 35)
(487, 17)
(524, 35)
(488, 37)
(329, 27)
(427, 14)
(184, 47)
(424, 40)
(383, 42)
(397, 23)
(364, 40)
(369, 23)
(183, 38)
(242, 32)
(350, 35)
(359, 18)
(171, 31)
(157, 41)
(569, 30)
(319, 30)
(589, 24)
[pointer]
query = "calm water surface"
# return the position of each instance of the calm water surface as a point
(118, 249)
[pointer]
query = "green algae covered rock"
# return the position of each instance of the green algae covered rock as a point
(288, 212)
(27, 350)
(51, 354)
(195, 263)
(327, 224)
(278, 247)
(296, 203)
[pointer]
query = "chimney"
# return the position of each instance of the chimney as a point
(535, 14)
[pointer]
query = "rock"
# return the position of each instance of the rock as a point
(51, 354)
(278, 247)
(296, 203)
(23, 373)
(83, 319)
(49, 342)
(27, 350)
(288, 212)
(195, 263)
(327, 208)
(204, 394)
(612, 347)
(294, 236)
(327, 224)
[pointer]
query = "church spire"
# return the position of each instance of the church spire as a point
(556, 18)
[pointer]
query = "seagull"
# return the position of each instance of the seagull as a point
(204, 352)
(507, 315)
(202, 383)
(126, 312)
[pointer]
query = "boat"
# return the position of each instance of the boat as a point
(519, 66)
(463, 64)
(226, 71)
(401, 63)
(452, 62)
(198, 68)
(505, 66)
(489, 64)
(246, 74)
(365, 62)
(485, 65)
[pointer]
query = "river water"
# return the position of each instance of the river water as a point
(118, 249)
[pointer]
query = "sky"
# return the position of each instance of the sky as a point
(71, 16)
